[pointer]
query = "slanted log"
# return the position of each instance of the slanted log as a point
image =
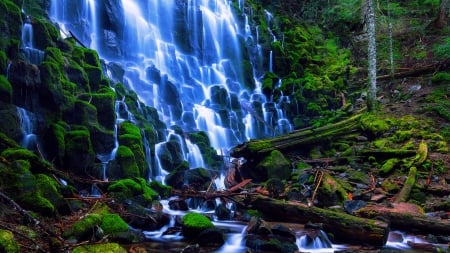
(301, 138)
(344, 227)
(400, 218)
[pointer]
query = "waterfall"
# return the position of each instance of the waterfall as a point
(33, 55)
(181, 57)
(26, 125)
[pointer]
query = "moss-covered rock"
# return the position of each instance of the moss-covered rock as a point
(332, 190)
(55, 144)
(79, 155)
(5, 90)
(10, 123)
(104, 248)
(374, 125)
(130, 137)
(194, 223)
(10, 21)
(37, 164)
(48, 34)
(125, 164)
(130, 188)
(274, 165)
(8, 243)
(84, 228)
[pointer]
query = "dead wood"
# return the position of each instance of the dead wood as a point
(344, 227)
(399, 217)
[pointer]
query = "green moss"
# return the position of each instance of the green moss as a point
(163, 190)
(103, 248)
(37, 164)
(113, 224)
(402, 136)
(7, 242)
(275, 165)
(6, 90)
(36, 202)
(84, 227)
(373, 124)
(53, 54)
(10, 21)
(127, 186)
(127, 162)
(389, 165)
(3, 62)
(255, 146)
(197, 220)
(48, 33)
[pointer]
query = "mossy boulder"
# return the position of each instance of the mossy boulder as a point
(332, 191)
(104, 100)
(37, 164)
(198, 178)
(79, 154)
(124, 164)
(5, 90)
(48, 33)
(131, 188)
(374, 125)
(10, 23)
(51, 90)
(194, 223)
(163, 190)
(55, 144)
(275, 165)
(104, 248)
(130, 137)
(10, 123)
(83, 113)
(8, 243)
(100, 222)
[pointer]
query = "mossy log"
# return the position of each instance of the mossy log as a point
(403, 195)
(406, 221)
(299, 138)
(344, 227)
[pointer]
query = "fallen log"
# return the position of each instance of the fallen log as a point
(400, 218)
(290, 141)
(344, 227)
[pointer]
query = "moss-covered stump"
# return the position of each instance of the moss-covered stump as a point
(7, 242)
(345, 228)
(104, 248)
(193, 224)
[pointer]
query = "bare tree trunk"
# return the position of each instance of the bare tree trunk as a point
(372, 57)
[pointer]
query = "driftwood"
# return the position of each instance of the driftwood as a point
(300, 138)
(344, 227)
(402, 219)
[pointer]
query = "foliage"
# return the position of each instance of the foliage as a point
(442, 51)
(7, 242)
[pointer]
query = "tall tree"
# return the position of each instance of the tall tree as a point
(371, 56)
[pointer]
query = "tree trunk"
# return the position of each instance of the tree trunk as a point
(344, 227)
(372, 58)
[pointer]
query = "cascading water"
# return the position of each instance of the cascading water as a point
(33, 55)
(181, 58)
(26, 125)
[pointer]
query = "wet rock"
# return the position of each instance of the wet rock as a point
(178, 204)
(222, 212)
(351, 206)
(211, 237)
